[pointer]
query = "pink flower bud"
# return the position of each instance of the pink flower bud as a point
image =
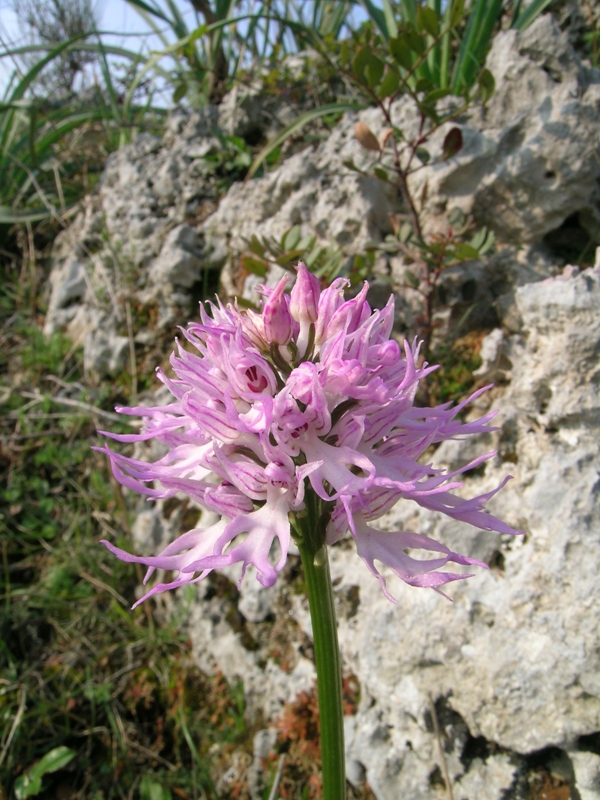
(276, 315)
(304, 297)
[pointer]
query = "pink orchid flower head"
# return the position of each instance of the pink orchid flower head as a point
(311, 395)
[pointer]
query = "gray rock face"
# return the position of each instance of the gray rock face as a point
(311, 189)
(134, 242)
(530, 160)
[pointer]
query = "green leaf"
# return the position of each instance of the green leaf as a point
(291, 238)
(180, 92)
(424, 85)
(344, 54)
(412, 279)
(381, 174)
(487, 85)
(254, 266)
(359, 62)
(456, 217)
(488, 244)
(285, 259)
(465, 251)
(389, 85)
(349, 164)
(416, 41)
(483, 240)
(457, 13)
(435, 94)
(479, 238)
(453, 142)
(311, 257)
(30, 784)
(405, 232)
(238, 143)
(428, 20)
(306, 243)
(256, 246)
(152, 790)
(400, 51)
(422, 154)
(273, 157)
(374, 71)
(27, 786)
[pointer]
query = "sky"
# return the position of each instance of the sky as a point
(113, 15)
(116, 16)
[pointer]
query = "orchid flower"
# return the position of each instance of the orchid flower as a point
(310, 397)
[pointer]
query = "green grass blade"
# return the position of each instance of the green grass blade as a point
(446, 42)
(390, 18)
(482, 18)
(140, 5)
(377, 17)
(531, 13)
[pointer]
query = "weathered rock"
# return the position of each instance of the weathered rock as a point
(134, 241)
(531, 159)
(587, 774)
(311, 189)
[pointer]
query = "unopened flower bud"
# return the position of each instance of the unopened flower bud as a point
(278, 323)
(304, 297)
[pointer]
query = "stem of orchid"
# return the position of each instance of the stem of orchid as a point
(313, 553)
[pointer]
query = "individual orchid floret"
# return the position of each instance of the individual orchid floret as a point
(305, 406)
(304, 306)
(277, 320)
(304, 297)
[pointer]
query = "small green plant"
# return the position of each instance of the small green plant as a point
(30, 784)
(327, 263)
(231, 162)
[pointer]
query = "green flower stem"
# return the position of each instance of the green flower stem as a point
(313, 552)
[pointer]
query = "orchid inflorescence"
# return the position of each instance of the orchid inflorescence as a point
(309, 402)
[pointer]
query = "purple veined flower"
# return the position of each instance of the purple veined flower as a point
(312, 395)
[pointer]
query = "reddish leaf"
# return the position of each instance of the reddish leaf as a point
(452, 143)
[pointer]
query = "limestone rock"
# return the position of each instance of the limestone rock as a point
(179, 261)
(134, 241)
(310, 189)
(587, 774)
(530, 159)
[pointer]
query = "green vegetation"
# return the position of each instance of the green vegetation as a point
(93, 698)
